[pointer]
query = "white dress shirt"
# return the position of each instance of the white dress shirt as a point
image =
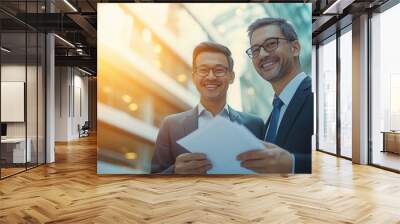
(288, 92)
(206, 116)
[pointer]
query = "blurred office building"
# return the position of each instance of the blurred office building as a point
(145, 69)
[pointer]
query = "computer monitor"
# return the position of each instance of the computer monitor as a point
(3, 129)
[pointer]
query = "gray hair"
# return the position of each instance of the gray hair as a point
(286, 28)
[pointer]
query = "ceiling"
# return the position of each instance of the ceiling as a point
(76, 22)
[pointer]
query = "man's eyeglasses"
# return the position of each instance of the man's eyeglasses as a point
(269, 45)
(218, 71)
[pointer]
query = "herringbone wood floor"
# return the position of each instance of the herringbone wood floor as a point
(70, 191)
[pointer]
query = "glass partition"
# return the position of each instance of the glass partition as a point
(22, 91)
(31, 99)
(14, 152)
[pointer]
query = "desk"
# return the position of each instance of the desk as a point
(391, 141)
(16, 147)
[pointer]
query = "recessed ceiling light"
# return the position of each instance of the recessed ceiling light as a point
(5, 50)
(71, 6)
(64, 40)
(337, 7)
(86, 72)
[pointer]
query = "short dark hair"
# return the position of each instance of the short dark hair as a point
(286, 28)
(209, 46)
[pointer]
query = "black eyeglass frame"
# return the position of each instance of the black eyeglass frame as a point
(249, 51)
(213, 70)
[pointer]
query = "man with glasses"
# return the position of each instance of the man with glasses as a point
(275, 51)
(212, 75)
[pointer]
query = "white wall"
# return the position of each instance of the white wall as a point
(80, 118)
(61, 103)
(12, 101)
(71, 93)
(33, 126)
(16, 73)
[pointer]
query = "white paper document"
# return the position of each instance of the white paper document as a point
(222, 141)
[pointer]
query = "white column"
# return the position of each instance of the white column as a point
(50, 98)
(314, 90)
(360, 90)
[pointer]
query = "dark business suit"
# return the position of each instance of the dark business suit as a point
(296, 127)
(177, 126)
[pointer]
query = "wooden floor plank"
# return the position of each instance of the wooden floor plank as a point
(70, 191)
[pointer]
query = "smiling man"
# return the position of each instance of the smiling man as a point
(212, 75)
(275, 51)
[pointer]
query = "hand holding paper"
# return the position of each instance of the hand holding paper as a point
(271, 159)
(192, 163)
(222, 141)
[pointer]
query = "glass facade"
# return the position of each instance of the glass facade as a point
(346, 93)
(331, 77)
(385, 89)
(143, 77)
(327, 96)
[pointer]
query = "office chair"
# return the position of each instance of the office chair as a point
(84, 130)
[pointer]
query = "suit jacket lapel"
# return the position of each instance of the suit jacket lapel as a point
(234, 115)
(292, 111)
(190, 123)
